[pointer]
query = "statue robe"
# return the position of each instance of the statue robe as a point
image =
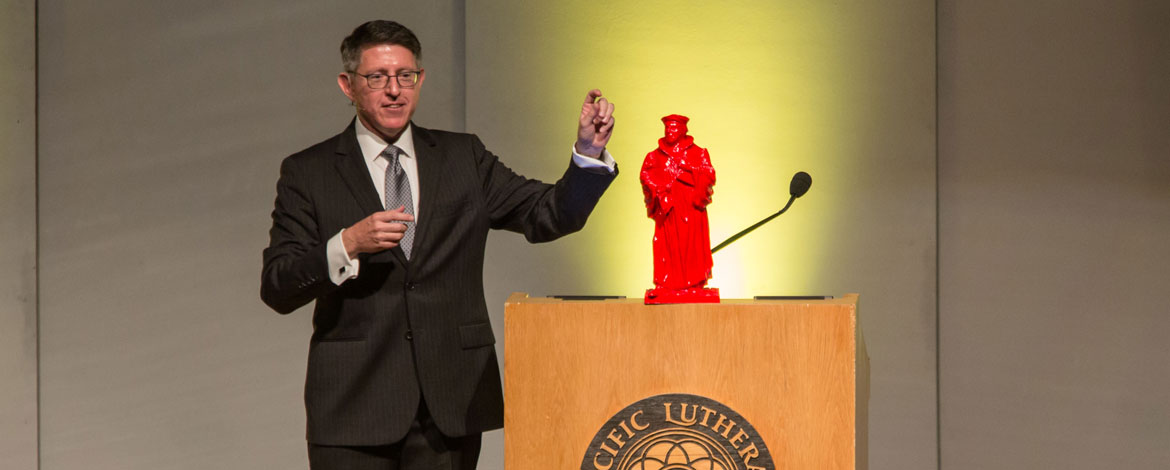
(675, 179)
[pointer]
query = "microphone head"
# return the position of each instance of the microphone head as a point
(800, 184)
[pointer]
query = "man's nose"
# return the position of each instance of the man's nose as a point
(392, 87)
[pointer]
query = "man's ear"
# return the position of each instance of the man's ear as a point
(343, 83)
(422, 75)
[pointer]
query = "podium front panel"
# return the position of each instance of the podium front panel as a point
(794, 374)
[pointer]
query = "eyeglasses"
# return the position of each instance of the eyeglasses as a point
(380, 80)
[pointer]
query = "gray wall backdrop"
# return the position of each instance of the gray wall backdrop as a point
(161, 127)
(1054, 215)
(18, 235)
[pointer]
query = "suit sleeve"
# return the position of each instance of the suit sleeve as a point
(296, 268)
(541, 211)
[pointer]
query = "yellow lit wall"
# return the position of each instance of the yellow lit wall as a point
(771, 88)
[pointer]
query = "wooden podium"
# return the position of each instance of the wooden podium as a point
(792, 376)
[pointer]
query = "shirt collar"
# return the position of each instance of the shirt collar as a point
(372, 145)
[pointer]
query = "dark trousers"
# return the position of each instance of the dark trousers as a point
(423, 448)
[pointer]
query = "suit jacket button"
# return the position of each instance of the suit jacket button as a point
(409, 336)
(410, 286)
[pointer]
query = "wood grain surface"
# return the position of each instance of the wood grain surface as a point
(796, 370)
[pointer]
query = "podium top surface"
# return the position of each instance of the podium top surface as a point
(521, 297)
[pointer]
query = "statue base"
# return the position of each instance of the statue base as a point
(692, 295)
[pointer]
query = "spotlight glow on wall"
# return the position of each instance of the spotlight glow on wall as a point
(762, 83)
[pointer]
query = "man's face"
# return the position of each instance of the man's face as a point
(675, 131)
(387, 111)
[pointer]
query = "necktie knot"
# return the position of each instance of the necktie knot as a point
(391, 154)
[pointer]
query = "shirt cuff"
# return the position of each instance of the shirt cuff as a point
(605, 164)
(341, 268)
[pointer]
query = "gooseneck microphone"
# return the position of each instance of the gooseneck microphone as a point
(801, 181)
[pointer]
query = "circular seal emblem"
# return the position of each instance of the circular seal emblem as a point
(677, 432)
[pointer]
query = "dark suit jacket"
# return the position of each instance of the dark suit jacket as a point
(404, 328)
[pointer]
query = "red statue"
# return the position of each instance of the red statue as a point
(677, 180)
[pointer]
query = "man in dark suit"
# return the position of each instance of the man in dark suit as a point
(384, 226)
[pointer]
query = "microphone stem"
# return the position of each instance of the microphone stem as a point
(753, 227)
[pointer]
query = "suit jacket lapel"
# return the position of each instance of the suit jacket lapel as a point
(352, 166)
(430, 172)
(356, 175)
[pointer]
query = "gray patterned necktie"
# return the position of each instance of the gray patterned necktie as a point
(398, 194)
